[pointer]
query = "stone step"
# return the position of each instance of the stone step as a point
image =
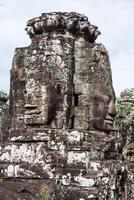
(52, 156)
(72, 136)
(85, 193)
(24, 170)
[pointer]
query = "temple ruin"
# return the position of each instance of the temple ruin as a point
(61, 142)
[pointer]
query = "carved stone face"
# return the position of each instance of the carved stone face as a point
(102, 111)
(36, 105)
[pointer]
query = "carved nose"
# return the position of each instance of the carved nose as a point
(112, 109)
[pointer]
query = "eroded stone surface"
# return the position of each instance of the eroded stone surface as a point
(62, 109)
(62, 80)
(4, 116)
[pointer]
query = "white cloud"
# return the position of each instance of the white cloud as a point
(113, 17)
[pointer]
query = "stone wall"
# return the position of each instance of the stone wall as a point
(4, 115)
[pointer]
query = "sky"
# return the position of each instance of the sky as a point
(115, 19)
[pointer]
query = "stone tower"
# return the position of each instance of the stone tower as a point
(59, 79)
(62, 107)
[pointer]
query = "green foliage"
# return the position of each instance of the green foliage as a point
(57, 195)
(44, 193)
(3, 97)
(125, 110)
(2, 92)
(128, 93)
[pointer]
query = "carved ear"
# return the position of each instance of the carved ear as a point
(58, 88)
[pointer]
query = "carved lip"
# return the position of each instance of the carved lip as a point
(109, 120)
(30, 112)
(30, 106)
